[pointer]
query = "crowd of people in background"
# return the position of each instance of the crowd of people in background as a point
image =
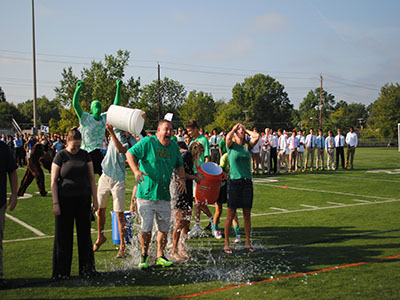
(293, 151)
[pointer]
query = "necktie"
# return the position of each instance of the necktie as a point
(294, 144)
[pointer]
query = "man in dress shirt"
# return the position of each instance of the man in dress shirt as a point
(274, 146)
(300, 149)
(214, 142)
(266, 151)
(320, 150)
(352, 142)
(310, 144)
(282, 144)
(293, 143)
(330, 150)
(339, 143)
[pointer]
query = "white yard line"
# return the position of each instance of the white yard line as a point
(280, 209)
(322, 208)
(326, 191)
(309, 206)
(364, 201)
(336, 203)
(42, 237)
(18, 221)
(355, 177)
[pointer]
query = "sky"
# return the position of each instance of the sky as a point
(206, 45)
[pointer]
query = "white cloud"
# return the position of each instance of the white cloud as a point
(179, 17)
(269, 22)
(235, 49)
(160, 52)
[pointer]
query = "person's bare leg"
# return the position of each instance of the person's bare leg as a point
(145, 238)
(247, 228)
(122, 231)
(187, 214)
(161, 243)
(176, 236)
(228, 226)
(101, 219)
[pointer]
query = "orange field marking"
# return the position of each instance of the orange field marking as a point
(283, 277)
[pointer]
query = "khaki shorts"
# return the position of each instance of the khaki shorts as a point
(107, 186)
(149, 208)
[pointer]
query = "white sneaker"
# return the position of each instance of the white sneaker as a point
(217, 234)
(196, 231)
(237, 239)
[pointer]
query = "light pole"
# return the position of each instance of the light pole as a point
(35, 128)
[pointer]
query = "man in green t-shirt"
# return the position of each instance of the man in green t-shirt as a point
(193, 129)
(158, 157)
(222, 145)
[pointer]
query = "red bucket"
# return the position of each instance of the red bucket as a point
(207, 191)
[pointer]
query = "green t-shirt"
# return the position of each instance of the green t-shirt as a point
(240, 162)
(204, 141)
(174, 138)
(222, 146)
(158, 162)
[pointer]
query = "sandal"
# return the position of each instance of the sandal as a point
(228, 250)
(97, 245)
(251, 249)
(121, 253)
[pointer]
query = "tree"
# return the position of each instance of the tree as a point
(172, 97)
(7, 112)
(346, 115)
(99, 84)
(2, 95)
(226, 116)
(385, 113)
(263, 102)
(46, 110)
(309, 109)
(200, 107)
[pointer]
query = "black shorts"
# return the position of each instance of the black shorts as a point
(240, 193)
(184, 202)
(223, 197)
(97, 158)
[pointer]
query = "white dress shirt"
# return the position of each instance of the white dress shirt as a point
(296, 142)
(351, 139)
(282, 143)
(302, 142)
(339, 141)
(310, 141)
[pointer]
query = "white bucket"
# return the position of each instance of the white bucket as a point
(126, 119)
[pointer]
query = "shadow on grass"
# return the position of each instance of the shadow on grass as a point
(280, 251)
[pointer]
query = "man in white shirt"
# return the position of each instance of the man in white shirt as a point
(214, 142)
(273, 140)
(352, 142)
(265, 151)
(255, 154)
(310, 144)
(339, 143)
(330, 150)
(293, 143)
(320, 150)
(300, 149)
(282, 144)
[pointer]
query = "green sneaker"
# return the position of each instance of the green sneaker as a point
(162, 261)
(144, 262)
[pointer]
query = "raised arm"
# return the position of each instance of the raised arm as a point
(75, 100)
(231, 134)
(117, 99)
(255, 136)
(117, 143)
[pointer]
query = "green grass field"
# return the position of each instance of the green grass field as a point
(305, 227)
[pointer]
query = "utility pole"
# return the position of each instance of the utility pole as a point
(35, 127)
(320, 102)
(159, 94)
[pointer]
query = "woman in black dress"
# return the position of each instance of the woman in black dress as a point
(72, 184)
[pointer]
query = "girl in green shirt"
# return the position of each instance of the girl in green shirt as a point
(240, 186)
